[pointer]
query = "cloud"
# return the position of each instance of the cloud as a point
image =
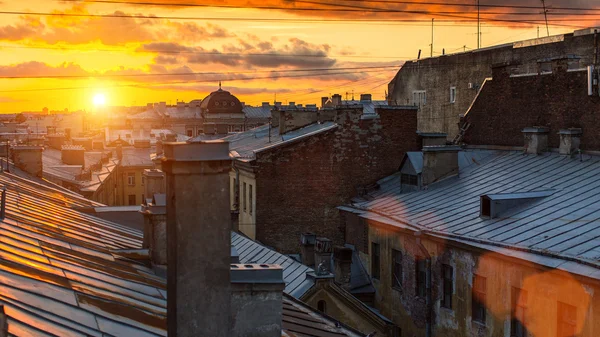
(35, 68)
(132, 28)
(235, 90)
(296, 53)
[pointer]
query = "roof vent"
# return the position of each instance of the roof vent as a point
(569, 141)
(536, 139)
(498, 205)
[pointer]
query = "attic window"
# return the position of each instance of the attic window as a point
(409, 179)
(498, 205)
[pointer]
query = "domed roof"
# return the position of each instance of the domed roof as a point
(221, 101)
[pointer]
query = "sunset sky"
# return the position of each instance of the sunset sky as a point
(150, 54)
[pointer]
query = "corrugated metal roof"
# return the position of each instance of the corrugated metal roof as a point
(60, 274)
(565, 224)
(248, 143)
(294, 272)
(257, 112)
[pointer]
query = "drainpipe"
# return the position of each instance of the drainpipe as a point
(236, 188)
(428, 288)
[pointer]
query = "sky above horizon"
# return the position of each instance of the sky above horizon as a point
(61, 54)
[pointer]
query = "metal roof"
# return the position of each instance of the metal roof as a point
(294, 272)
(257, 112)
(564, 225)
(248, 143)
(61, 273)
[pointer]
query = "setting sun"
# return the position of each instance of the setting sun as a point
(99, 99)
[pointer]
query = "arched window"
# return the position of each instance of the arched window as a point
(322, 306)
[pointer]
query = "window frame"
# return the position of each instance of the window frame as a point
(447, 286)
(478, 299)
(420, 277)
(130, 179)
(409, 179)
(244, 201)
(250, 199)
(396, 269)
(375, 261)
(518, 301)
(453, 94)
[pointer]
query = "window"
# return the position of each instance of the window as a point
(131, 179)
(421, 277)
(190, 133)
(244, 196)
(419, 98)
(396, 268)
(375, 259)
(322, 306)
(251, 206)
(519, 309)
(567, 320)
(448, 280)
(478, 299)
(409, 179)
(143, 180)
(132, 201)
(452, 94)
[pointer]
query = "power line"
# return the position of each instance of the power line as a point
(195, 73)
(230, 79)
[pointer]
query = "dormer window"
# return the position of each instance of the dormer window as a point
(409, 179)
(499, 205)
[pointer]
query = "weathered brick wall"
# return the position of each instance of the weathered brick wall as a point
(559, 100)
(300, 186)
(436, 75)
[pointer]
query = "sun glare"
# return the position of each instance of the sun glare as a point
(99, 99)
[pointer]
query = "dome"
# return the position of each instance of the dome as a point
(221, 101)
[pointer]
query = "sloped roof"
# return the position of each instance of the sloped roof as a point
(61, 274)
(563, 227)
(248, 143)
(257, 112)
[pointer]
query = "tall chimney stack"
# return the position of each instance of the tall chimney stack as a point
(198, 238)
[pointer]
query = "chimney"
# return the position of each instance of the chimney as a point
(73, 155)
(439, 162)
(342, 266)
(155, 228)
(150, 106)
(155, 182)
(323, 254)
(3, 322)
(275, 117)
(265, 105)
(278, 104)
(570, 139)
(365, 98)
(28, 159)
(324, 101)
(171, 137)
(536, 139)
(56, 140)
(50, 130)
(292, 119)
(432, 138)
(159, 148)
(256, 300)
(162, 107)
(307, 248)
(119, 151)
(292, 104)
(141, 143)
(336, 99)
(87, 143)
(198, 238)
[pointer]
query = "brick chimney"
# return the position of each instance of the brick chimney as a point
(155, 228)
(73, 155)
(294, 118)
(56, 140)
(365, 98)
(570, 139)
(336, 99)
(198, 238)
(536, 139)
(439, 162)
(323, 248)
(307, 248)
(256, 300)
(87, 143)
(28, 159)
(342, 266)
(324, 101)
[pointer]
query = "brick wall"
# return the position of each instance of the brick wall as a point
(559, 100)
(300, 186)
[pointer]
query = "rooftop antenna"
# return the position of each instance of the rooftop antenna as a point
(432, 37)
(353, 94)
(219, 85)
(546, 16)
(478, 26)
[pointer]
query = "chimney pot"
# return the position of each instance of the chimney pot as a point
(536, 139)
(323, 249)
(570, 139)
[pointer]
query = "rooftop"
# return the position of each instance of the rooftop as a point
(559, 229)
(62, 274)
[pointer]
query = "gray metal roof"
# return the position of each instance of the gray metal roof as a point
(257, 112)
(294, 272)
(248, 143)
(564, 225)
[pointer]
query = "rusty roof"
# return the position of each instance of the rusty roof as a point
(61, 273)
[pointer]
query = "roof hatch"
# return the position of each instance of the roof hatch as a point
(497, 205)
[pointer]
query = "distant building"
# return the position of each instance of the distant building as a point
(444, 87)
(131, 181)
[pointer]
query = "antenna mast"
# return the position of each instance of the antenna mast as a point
(546, 16)
(432, 37)
(478, 26)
